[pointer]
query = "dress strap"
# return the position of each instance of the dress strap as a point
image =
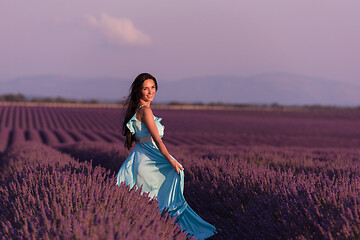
(139, 108)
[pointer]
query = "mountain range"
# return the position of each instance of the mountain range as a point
(285, 89)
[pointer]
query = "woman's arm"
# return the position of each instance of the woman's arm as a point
(148, 118)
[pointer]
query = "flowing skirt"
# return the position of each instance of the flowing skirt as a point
(148, 168)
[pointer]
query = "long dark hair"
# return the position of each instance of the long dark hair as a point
(132, 103)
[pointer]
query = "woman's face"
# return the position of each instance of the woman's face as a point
(148, 90)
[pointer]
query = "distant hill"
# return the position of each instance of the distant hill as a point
(285, 89)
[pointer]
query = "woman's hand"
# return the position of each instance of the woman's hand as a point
(176, 166)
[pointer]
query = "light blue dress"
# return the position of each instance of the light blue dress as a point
(148, 168)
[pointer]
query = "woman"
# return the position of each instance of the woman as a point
(150, 165)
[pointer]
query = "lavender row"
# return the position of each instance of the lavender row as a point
(322, 129)
(48, 195)
(27, 117)
(263, 192)
(55, 137)
(271, 193)
(107, 155)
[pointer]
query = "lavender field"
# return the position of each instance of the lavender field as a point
(254, 174)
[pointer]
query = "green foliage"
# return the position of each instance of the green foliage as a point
(13, 98)
(10, 97)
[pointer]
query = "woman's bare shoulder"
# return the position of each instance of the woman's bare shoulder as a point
(144, 112)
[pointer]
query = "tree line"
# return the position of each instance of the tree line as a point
(22, 98)
(10, 97)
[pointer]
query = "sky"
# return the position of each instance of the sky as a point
(180, 39)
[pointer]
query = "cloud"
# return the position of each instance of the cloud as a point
(119, 31)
